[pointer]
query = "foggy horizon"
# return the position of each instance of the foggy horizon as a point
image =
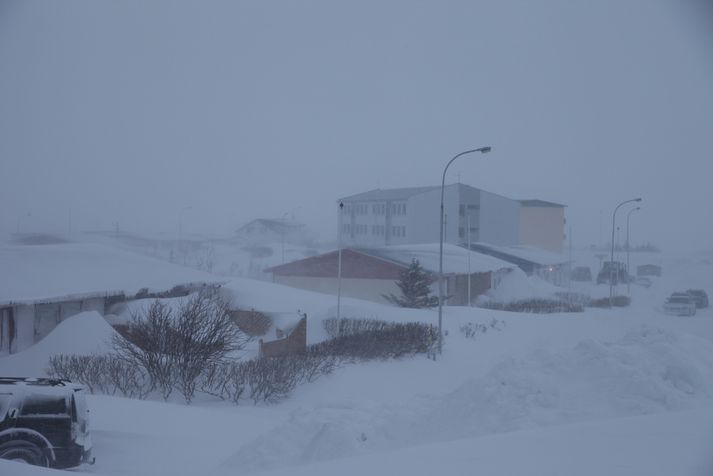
(209, 115)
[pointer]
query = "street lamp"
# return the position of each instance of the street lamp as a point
(628, 283)
(339, 266)
(482, 150)
(611, 263)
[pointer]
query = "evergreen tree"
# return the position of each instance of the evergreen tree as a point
(414, 284)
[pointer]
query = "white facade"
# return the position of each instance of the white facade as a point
(411, 215)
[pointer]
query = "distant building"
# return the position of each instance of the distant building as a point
(542, 224)
(369, 273)
(263, 230)
(411, 215)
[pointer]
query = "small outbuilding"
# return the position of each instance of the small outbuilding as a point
(371, 273)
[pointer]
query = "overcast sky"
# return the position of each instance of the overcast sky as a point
(216, 112)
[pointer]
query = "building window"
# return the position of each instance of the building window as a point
(461, 232)
(461, 210)
(473, 207)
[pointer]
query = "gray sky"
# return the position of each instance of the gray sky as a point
(132, 111)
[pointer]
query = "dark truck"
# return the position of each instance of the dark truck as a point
(44, 422)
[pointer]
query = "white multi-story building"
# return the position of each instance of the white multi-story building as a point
(410, 215)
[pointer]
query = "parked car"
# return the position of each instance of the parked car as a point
(680, 304)
(614, 271)
(44, 422)
(700, 297)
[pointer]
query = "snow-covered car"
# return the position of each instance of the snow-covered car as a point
(680, 304)
(44, 422)
(700, 297)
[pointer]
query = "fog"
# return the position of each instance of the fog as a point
(211, 113)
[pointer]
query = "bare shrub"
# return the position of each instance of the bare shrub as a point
(616, 301)
(341, 327)
(175, 349)
(379, 340)
(149, 344)
(535, 306)
(105, 374)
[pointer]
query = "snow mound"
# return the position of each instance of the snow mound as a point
(517, 285)
(83, 334)
(647, 371)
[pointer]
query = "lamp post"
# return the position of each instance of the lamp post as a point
(339, 266)
(482, 150)
(628, 283)
(611, 265)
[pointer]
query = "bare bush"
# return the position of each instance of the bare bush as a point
(149, 344)
(534, 306)
(175, 349)
(191, 359)
(341, 327)
(106, 374)
(616, 301)
(380, 340)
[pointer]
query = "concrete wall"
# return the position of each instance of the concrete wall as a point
(542, 227)
(499, 219)
(368, 289)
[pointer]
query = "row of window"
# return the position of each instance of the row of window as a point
(376, 208)
(398, 231)
(377, 230)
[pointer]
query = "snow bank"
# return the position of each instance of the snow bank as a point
(517, 285)
(647, 371)
(51, 271)
(83, 334)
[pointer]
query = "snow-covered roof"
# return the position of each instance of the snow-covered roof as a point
(34, 273)
(455, 258)
(540, 203)
(391, 193)
(529, 253)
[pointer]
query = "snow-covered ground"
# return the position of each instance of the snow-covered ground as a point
(617, 392)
